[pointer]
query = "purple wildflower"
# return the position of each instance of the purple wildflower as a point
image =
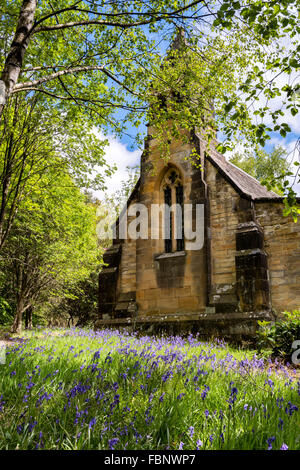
(180, 396)
(92, 423)
(204, 393)
(270, 442)
(199, 444)
(112, 443)
(232, 399)
(161, 398)
(290, 408)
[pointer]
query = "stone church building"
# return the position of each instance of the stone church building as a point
(247, 269)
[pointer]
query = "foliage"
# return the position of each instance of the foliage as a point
(268, 168)
(79, 306)
(118, 199)
(5, 312)
(280, 336)
(33, 141)
(68, 67)
(80, 389)
(94, 59)
(112, 205)
(52, 245)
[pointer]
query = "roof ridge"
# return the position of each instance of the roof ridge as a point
(248, 185)
(250, 176)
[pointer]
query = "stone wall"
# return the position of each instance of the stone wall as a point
(223, 201)
(282, 244)
(169, 282)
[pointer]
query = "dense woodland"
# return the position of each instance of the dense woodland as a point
(71, 68)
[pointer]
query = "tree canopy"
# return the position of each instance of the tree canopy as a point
(268, 168)
(34, 140)
(96, 57)
(51, 247)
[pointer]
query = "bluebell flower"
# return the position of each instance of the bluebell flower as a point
(270, 442)
(290, 408)
(180, 396)
(20, 428)
(92, 423)
(204, 393)
(199, 444)
(112, 443)
(232, 399)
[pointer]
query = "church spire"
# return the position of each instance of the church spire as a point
(179, 39)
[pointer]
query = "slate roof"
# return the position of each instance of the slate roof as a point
(245, 184)
(242, 182)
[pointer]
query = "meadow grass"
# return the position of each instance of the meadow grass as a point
(80, 389)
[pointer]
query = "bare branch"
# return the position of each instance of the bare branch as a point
(83, 68)
(154, 17)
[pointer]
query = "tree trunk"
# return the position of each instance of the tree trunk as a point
(28, 318)
(17, 324)
(14, 61)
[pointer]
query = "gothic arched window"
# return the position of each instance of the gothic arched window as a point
(173, 219)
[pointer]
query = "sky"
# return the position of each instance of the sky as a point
(119, 152)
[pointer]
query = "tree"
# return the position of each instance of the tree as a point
(100, 56)
(31, 141)
(94, 31)
(112, 205)
(268, 168)
(118, 199)
(102, 60)
(79, 306)
(51, 247)
(275, 172)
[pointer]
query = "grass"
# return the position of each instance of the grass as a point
(5, 332)
(79, 389)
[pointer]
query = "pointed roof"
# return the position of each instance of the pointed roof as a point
(179, 40)
(246, 185)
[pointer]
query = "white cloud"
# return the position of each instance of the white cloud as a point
(293, 150)
(118, 154)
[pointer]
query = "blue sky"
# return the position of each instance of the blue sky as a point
(123, 151)
(120, 152)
